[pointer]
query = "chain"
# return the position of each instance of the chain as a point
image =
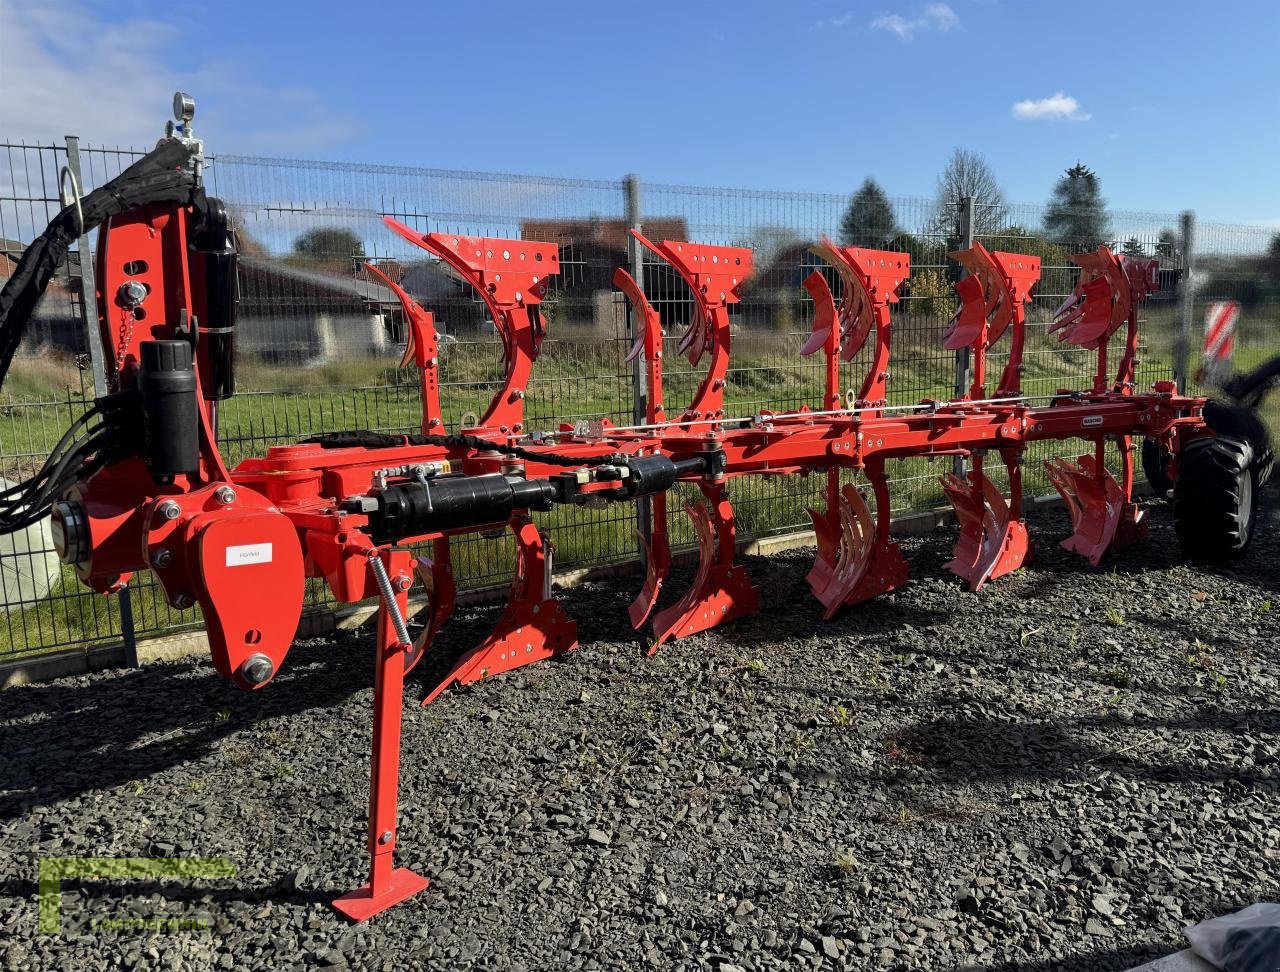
(126, 335)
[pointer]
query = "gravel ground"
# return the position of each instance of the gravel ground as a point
(1057, 773)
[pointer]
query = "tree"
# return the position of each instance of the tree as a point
(1271, 260)
(1076, 216)
(921, 249)
(968, 174)
(769, 241)
(329, 244)
(1133, 247)
(868, 220)
(1169, 246)
(931, 295)
(1057, 276)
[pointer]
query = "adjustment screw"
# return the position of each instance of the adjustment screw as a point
(169, 510)
(161, 558)
(257, 669)
(225, 495)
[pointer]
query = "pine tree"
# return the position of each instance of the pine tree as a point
(1169, 248)
(1133, 247)
(868, 220)
(1076, 216)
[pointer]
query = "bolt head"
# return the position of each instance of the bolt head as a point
(403, 583)
(257, 669)
(161, 558)
(169, 510)
(225, 495)
(182, 601)
(384, 838)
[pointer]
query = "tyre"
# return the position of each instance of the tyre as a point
(1155, 463)
(1215, 498)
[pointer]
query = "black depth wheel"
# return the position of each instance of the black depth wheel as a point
(1155, 463)
(1215, 498)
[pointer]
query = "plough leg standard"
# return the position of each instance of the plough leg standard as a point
(139, 482)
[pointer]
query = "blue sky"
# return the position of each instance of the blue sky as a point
(1175, 104)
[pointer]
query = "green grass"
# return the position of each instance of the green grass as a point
(581, 374)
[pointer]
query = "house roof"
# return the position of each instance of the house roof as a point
(610, 233)
(53, 303)
(265, 280)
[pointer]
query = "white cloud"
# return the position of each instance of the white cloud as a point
(111, 83)
(935, 16)
(1058, 106)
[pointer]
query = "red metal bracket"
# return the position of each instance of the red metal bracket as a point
(872, 279)
(511, 277)
(387, 885)
(533, 627)
(858, 562)
(422, 348)
(1110, 290)
(1102, 515)
(992, 297)
(648, 347)
(148, 246)
(648, 342)
(720, 591)
(825, 336)
(236, 555)
(657, 561)
(992, 541)
(715, 275)
(436, 574)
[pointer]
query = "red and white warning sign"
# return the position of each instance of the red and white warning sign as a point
(1220, 330)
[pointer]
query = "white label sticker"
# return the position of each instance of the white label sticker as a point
(248, 553)
(1089, 421)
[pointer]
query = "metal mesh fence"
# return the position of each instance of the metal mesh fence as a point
(1240, 263)
(46, 607)
(320, 338)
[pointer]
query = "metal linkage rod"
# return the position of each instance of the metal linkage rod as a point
(748, 420)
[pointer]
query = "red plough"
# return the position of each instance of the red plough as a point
(721, 591)
(1110, 291)
(857, 560)
(140, 483)
(993, 538)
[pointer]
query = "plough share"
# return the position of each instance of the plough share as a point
(147, 488)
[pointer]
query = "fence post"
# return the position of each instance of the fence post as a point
(97, 368)
(639, 380)
(963, 378)
(1182, 346)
